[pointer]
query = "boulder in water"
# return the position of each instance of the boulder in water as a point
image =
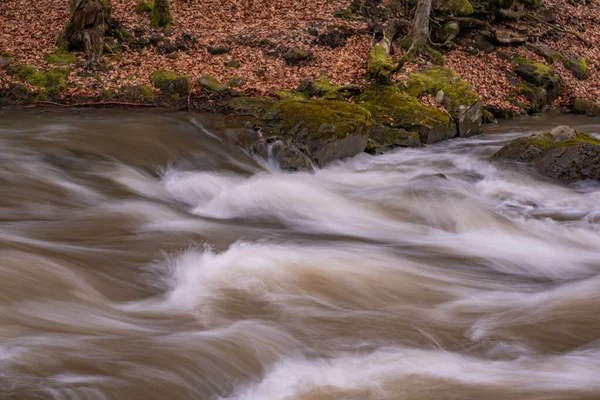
(563, 153)
(324, 130)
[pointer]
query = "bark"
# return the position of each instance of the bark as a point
(161, 14)
(85, 29)
(420, 29)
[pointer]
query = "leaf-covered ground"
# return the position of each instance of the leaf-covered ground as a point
(259, 31)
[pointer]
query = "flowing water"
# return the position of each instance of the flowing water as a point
(144, 256)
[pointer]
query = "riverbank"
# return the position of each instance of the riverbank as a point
(252, 48)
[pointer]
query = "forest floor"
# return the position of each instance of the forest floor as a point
(259, 32)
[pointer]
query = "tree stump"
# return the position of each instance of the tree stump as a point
(85, 29)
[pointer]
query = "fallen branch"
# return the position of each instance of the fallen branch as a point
(557, 28)
(96, 104)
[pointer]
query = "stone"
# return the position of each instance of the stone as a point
(210, 84)
(383, 138)
(289, 158)
(586, 106)
(5, 62)
(296, 55)
(563, 154)
(170, 83)
(322, 129)
(542, 76)
(394, 108)
(216, 50)
(457, 97)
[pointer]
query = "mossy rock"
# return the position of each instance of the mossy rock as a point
(249, 105)
(447, 32)
(211, 84)
(146, 92)
(578, 66)
(62, 57)
(392, 107)
(233, 64)
(292, 95)
(325, 130)
(458, 7)
(346, 14)
(321, 87)
(563, 153)
(144, 7)
(236, 81)
(296, 55)
(384, 138)
(170, 83)
(51, 82)
(540, 75)
(380, 65)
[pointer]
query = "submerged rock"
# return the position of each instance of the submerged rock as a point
(563, 153)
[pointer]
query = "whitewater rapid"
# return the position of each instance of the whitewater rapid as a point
(150, 259)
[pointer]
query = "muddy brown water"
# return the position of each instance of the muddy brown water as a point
(144, 256)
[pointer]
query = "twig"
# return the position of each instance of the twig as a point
(97, 104)
(558, 28)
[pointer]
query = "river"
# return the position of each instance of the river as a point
(143, 256)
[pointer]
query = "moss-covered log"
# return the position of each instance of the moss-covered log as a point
(160, 17)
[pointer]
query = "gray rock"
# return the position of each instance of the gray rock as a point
(5, 62)
(290, 158)
(384, 138)
(563, 154)
(468, 119)
(586, 106)
(216, 50)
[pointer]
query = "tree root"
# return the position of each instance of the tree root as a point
(557, 28)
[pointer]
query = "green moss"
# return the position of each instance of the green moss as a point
(146, 92)
(5, 54)
(106, 93)
(487, 116)
(170, 82)
(531, 3)
(371, 146)
(250, 105)
(211, 84)
(545, 141)
(578, 67)
(432, 80)
(346, 14)
(392, 107)
(144, 7)
(236, 81)
(582, 138)
(321, 87)
(61, 57)
(459, 7)
(534, 67)
(317, 118)
(52, 82)
(106, 7)
(380, 64)
(287, 95)
(233, 64)
(160, 17)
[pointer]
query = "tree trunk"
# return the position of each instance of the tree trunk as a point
(85, 29)
(161, 14)
(420, 29)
